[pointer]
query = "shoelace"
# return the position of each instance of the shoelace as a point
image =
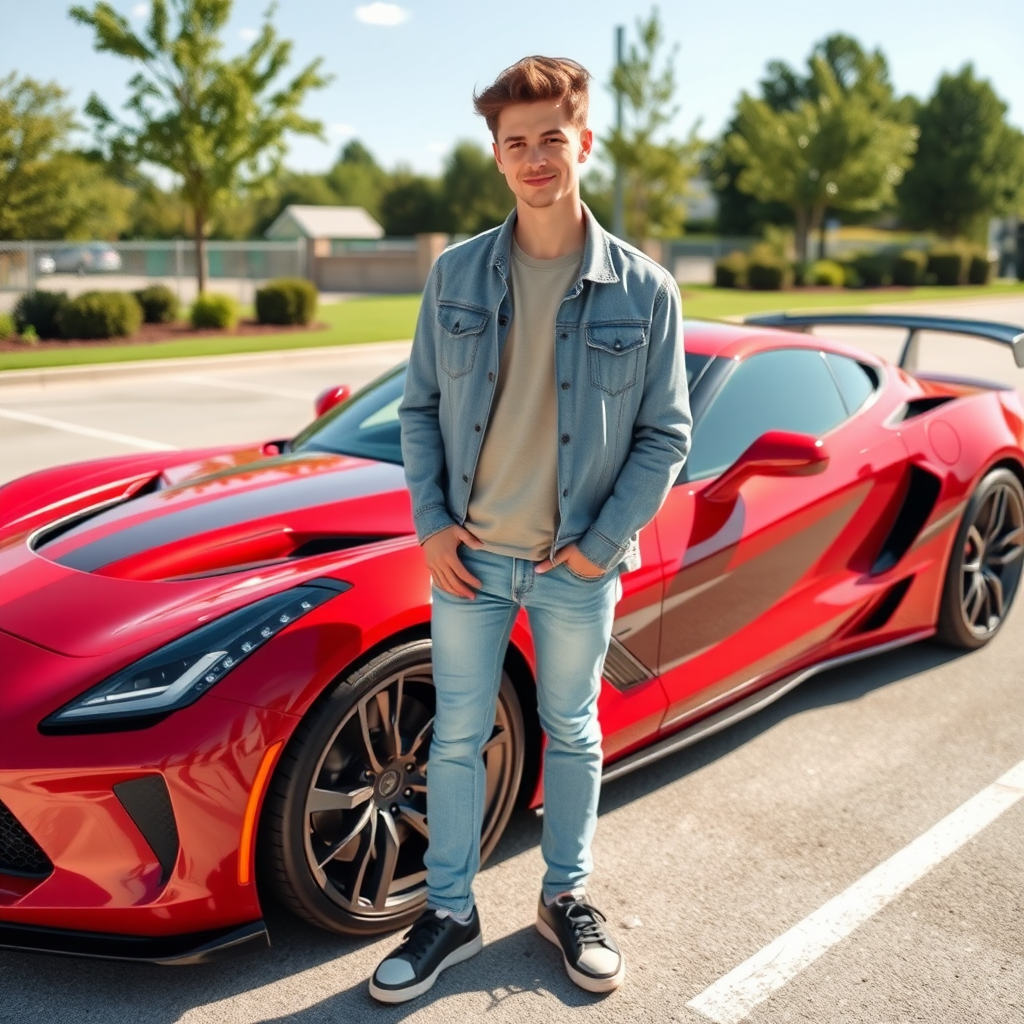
(421, 935)
(585, 921)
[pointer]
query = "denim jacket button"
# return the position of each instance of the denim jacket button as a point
(502, 320)
(565, 385)
(565, 493)
(565, 439)
(476, 427)
(490, 376)
(564, 334)
(465, 479)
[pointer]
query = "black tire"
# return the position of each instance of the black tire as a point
(984, 569)
(371, 826)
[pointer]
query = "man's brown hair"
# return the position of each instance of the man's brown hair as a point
(537, 78)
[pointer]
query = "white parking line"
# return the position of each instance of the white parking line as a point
(74, 428)
(235, 385)
(733, 996)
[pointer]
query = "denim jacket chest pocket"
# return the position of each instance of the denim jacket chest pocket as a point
(461, 328)
(613, 352)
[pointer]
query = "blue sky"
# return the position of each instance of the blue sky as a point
(405, 73)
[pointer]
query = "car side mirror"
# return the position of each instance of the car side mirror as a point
(777, 453)
(330, 397)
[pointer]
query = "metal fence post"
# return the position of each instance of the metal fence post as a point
(30, 267)
(179, 264)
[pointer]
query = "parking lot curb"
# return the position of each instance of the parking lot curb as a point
(97, 373)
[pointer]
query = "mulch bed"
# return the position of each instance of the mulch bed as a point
(151, 333)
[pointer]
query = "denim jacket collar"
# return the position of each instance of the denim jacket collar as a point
(597, 257)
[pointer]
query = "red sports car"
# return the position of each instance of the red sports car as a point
(216, 664)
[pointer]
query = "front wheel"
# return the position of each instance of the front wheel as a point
(985, 567)
(344, 828)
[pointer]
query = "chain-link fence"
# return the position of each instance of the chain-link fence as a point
(237, 268)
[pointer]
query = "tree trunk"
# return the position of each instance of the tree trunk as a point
(817, 223)
(823, 235)
(200, 240)
(802, 227)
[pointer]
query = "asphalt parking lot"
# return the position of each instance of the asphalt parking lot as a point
(860, 819)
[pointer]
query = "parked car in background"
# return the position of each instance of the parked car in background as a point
(94, 258)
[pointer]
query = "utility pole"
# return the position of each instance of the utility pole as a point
(619, 209)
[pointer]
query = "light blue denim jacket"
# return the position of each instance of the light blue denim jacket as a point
(623, 408)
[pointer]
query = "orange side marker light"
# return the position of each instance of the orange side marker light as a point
(245, 857)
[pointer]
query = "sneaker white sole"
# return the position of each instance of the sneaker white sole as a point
(585, 981)
(401, 995)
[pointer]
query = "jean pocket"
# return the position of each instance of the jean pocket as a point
(613, 353)
(579, 576)
(459, 331)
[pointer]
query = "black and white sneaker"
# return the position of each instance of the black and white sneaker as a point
(590, 955)
(433, 943)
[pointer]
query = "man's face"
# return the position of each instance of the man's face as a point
(539, 151)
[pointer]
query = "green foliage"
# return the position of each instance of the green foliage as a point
(7, 327)
(948, 264)
(970, 161)
(159, 304)
(412, 204)
(909, 268)
(655, 168)
(825, 272)
(101, 315)
(979, 269)
(218, 125)
(873, 269)
(289, 300)
(213, 310)
(767, 270)
(731, 271)
(41, 311)
(835, 139)
(473, 190)
(47, 191)
(29, 335)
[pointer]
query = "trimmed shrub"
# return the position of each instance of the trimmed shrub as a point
(851, 277)
(101, 315)
(7, 328)
(159, 304)
(767, 270)
(825, 272)
(909, 267)
(41, 311)
(948, 264)
(213, 310)
(288, 300)
(979, 270)
(875, 270)
(731, 271)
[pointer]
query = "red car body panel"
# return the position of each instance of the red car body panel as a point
(731, 596)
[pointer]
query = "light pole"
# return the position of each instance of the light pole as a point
(619, 207)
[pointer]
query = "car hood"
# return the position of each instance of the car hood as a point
(178, 555)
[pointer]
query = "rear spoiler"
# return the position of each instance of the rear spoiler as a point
(1003, 334)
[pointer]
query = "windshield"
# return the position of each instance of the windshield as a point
(367, 426)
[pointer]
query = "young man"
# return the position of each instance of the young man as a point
(545, 417)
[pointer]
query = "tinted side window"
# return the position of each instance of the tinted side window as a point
(789, 389)
(856, 382)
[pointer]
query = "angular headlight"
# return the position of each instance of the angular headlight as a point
(179, 673)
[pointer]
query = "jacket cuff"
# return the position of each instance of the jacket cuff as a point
(597, 548)
(431, 520)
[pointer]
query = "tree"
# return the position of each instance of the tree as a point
(836, 139)
(218, 125)
(656, 168)
(357, 179)
(970, 161)
(411, 204)
(46, 189)
(474, 193)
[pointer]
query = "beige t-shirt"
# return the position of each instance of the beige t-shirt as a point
(514, 505)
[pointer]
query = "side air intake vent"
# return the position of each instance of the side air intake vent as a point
(885, 609)
(919, 406)
(19, 852)
(918, 504)
(621, 669)
(149, 805)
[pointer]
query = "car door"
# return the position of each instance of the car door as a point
(757, 584)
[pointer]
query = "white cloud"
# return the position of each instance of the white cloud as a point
(140, 11)
(247, 35)
(341, 131)
(379, 13)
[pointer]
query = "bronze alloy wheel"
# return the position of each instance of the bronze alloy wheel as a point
(349, 798)
(985, 568)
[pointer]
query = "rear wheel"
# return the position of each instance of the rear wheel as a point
(985, 568)
(344, 828)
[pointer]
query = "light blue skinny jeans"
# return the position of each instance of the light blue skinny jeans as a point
(571, 620)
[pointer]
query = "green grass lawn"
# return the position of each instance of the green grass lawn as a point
(393, 317)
